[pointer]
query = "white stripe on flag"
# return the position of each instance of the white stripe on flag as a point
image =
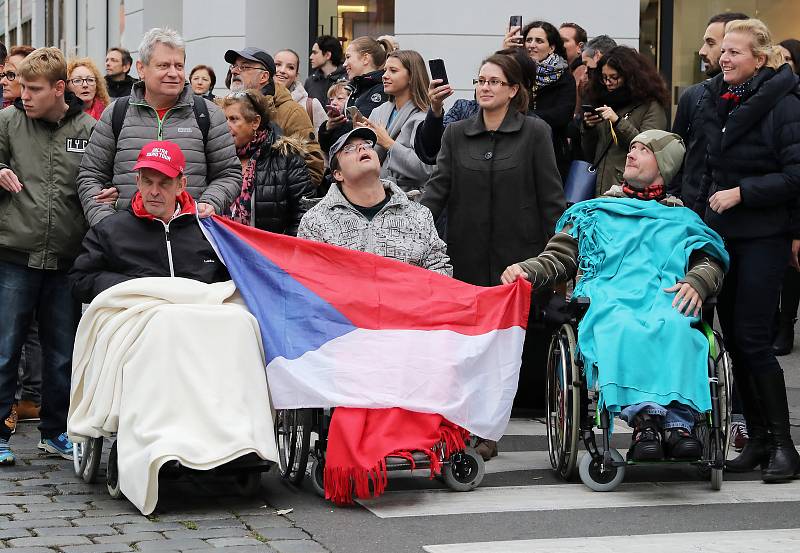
(740, 541)
(470, 380)
(569, 496)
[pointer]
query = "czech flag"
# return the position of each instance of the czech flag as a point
(347, 328)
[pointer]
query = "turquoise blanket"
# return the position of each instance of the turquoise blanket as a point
(636, 346)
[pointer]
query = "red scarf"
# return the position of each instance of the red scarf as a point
(359, 440)
(652, 192)
(96, 109)
(185, 202)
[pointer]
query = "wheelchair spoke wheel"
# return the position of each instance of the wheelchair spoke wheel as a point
(293, 430)
(112, 474)
(90, 464)
(563, 402)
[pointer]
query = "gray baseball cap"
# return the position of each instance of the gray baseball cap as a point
(253, 54)
(359, 132)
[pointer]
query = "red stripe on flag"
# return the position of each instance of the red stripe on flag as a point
(377, 293)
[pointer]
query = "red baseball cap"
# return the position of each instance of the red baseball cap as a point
(164, 156)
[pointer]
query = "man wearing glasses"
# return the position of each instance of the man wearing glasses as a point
(161, 106)
(364, 213)
(253, 68)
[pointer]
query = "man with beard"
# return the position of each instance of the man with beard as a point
(686, 184)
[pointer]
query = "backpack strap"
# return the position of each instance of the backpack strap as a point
(118, 115)
(200, 109)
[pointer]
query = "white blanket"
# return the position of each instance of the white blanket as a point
(175, 368)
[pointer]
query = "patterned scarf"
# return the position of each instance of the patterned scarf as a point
(652, 192)
(549, 70)
(240, 208)
(736, 94)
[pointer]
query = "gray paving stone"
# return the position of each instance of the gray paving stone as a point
(112, 507)
(50, 541)
(9, 509)
(42, 507)
(70, 499)
(97, 548)
(46, 515)
(9, 533)
(129, 538)
(267, 521)
(32, 550)
(116, 519)
(231, 542)
(76, 531)
(35, 523)
(284, 534)
(297, 546)
(218, 523)
(151, 527)
(195, 515)
(77, 488)
(180, 545)
(22, 499)
(209, 533)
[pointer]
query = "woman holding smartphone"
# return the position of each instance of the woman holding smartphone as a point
(629, 96)
(496, 174)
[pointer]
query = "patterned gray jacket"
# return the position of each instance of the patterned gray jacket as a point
(401, 230)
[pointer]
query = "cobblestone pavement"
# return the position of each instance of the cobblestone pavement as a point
(45, 508)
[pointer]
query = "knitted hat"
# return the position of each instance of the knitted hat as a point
(667, 147)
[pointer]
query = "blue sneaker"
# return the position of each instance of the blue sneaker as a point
(60, 445)
(6, 455)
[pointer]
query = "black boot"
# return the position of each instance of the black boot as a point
(756, 451)
(784, 461)
(784, 337)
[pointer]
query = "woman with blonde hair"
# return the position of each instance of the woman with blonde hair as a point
(87, 83)
(751, 118)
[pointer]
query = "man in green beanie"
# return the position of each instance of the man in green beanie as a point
(661, 430)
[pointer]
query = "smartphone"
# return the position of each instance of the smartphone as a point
(355, 115)
(587, 108)
(516, 21)
(332, 111)
(438, 71)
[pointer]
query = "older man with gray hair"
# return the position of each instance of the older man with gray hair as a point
(161, 106)
(595, 49)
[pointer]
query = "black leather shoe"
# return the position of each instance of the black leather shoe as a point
(646, 444)
(682, 445)
(754, 454)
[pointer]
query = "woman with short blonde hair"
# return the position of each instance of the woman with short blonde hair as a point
(87, 83)
(751, 118)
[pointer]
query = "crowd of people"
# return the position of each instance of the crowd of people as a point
(96, 169)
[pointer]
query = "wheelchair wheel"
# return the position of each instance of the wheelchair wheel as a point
(112, 473)
(247, 484)
(464, 471)
(599, 480)
(724, 375)
(90, 463)
(293, 429)
(563, 402)
(318, 477)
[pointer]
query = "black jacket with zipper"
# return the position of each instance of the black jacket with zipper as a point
(124, 246)
(367, 94)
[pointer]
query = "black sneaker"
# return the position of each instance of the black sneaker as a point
(682, 445)
(646, 443)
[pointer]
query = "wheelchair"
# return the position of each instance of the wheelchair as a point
(461, 471)
(573, 411)
(87, 459)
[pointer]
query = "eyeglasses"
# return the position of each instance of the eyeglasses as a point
(350, 148)
(493, 83)
(88, 80)
(10, 75)
(610, 78)
(242, 68)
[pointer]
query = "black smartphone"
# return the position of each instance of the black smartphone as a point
(587, 108)
(332, 111)
(516, 21)
(438, 71)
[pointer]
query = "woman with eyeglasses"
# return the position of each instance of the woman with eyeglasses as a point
(628, 96)
(287, 65)
(274, 173)
(9, 80)
(496, 174)
(553, 95)
(85, 81)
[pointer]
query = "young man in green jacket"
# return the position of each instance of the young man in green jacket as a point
(42, 139)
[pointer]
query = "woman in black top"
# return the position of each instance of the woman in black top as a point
(751, 118)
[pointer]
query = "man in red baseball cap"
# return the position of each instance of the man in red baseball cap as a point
(158, 235)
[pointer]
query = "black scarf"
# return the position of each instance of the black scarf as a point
(617, 99)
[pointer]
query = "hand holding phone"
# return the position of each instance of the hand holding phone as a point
(332, 111)
(516, 21)
(438, 71)
(355, 114)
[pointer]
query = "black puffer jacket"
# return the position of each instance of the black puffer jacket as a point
(556, 105)
(131, 244)
(281, 180)
(367, 95)
(757, 148)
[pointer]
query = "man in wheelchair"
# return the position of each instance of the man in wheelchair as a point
(647, 271)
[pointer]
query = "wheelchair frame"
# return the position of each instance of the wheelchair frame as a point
(573, 412)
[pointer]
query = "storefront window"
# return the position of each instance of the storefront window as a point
(348, 19)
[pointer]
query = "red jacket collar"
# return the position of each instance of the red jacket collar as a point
(185, 201)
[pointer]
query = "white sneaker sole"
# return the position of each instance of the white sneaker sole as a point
(54, 451)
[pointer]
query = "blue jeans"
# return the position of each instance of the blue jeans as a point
(676, 415)
(25, 292)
